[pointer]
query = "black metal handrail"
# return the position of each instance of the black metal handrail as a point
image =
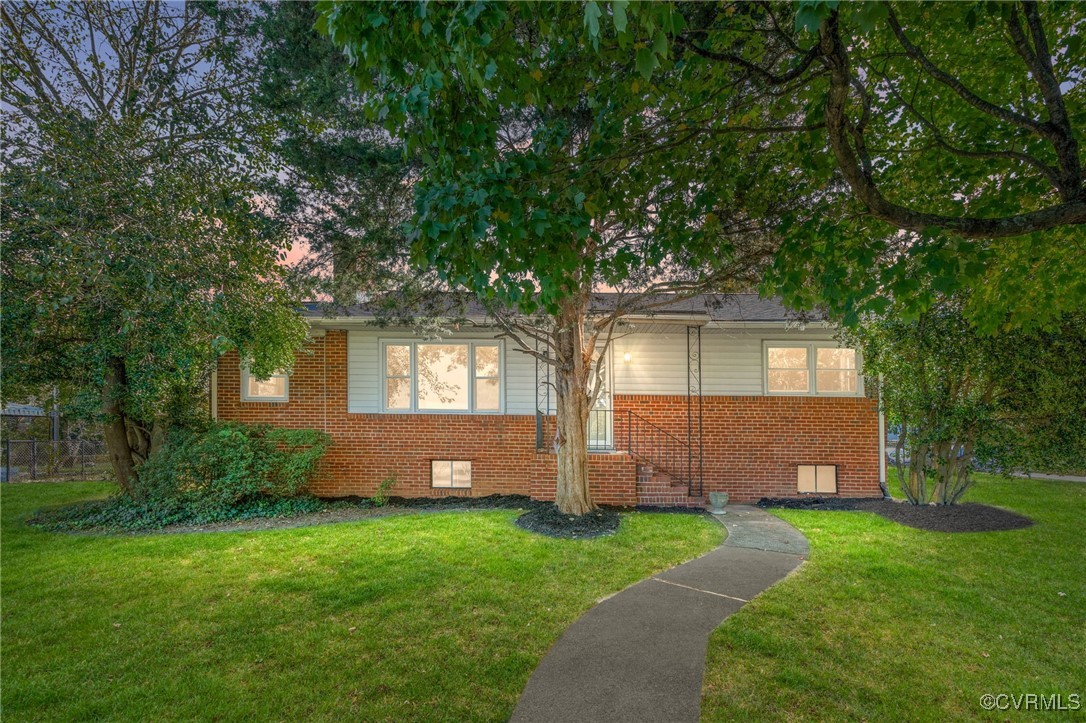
(664, 451)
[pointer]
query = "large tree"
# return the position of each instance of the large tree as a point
(946, 138)
(135, 244)
(940, 142)
(545, 177)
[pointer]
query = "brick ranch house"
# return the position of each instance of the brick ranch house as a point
(731, 395)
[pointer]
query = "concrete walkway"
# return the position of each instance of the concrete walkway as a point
(640, 654)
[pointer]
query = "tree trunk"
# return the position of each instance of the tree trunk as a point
(573, 375)
(116, 427)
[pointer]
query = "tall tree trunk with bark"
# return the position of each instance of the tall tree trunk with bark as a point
(116, 426)
(574, 375)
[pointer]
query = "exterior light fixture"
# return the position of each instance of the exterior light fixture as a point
(626, 358)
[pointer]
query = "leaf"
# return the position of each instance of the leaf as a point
(659, 44)
(646, 62)
(592, 15)
(490, 71)
(618, 10)
(810, 15)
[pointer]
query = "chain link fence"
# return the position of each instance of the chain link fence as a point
(30, 459)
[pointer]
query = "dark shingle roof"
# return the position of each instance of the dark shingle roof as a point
(714, 307)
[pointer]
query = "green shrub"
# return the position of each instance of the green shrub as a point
(214, 470)
(380, 499)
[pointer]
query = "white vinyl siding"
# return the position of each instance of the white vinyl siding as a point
(657, 363)
(732, 363)
(364, 375)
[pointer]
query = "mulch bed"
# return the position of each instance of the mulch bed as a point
(968, 517)
(547, 520)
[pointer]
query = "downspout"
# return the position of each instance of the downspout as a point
(213, 398)
(882, 445)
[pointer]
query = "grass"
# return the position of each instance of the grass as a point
(885, 622)
(420, 617)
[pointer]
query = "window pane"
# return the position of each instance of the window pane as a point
(273, 387)
(836, 359)
(398, 393)
(787, 357)
(461, 474)
(443, 376)
(441, 473)
(487, 394)
(840, 382)
(397, 360)
(788, 381)
(486, 361)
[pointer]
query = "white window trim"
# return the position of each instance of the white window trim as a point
(812, 368)
(246, 397)
(382, 390)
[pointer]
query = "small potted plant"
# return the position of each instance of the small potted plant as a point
(717, 500)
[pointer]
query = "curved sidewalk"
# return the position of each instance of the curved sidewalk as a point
(640, 654)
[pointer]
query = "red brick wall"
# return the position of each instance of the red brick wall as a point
(369, 448)
(752, 444)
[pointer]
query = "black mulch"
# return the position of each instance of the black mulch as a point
(968, 517)
(455, 502)
(547, 520)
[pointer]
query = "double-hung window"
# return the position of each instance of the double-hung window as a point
(276, 388)
(444, 376)
(817, 368)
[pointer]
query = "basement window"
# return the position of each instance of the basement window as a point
(817, 478)
(450, 473)
(276, 388)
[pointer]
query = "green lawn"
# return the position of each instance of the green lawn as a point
(885, 622)
(429, 616)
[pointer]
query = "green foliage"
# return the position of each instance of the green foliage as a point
(537, 121)
(380, 498)
(209, 472)
(136, 245)
(549, 166)
(343, 183)
(1010, 401)
(121, 513)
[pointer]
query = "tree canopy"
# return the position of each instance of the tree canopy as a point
(343, 186)
(136, 244)
(943, 133)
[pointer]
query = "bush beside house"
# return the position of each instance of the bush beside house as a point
(224, 472)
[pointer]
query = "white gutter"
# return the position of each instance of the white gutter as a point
(355, 321)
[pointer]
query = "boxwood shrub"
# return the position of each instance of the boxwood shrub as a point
(230, 463)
